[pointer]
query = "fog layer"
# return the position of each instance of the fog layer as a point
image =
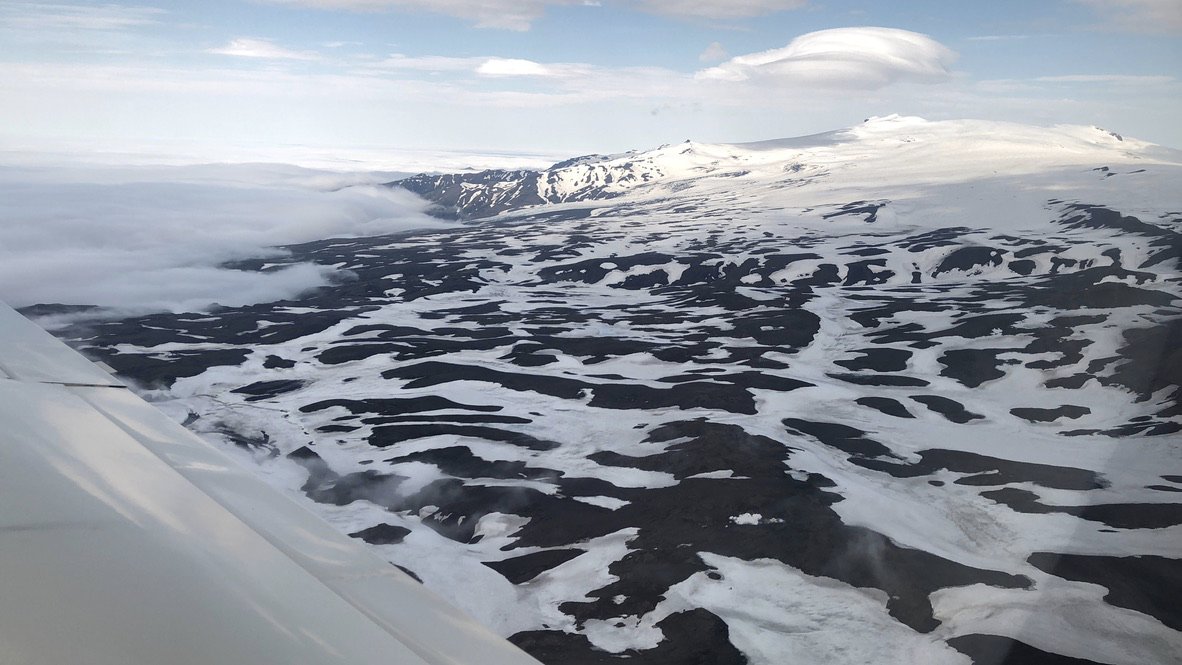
(145, 239)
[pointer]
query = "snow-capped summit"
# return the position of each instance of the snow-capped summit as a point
(891, 155)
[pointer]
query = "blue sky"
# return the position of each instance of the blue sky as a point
(568, 76)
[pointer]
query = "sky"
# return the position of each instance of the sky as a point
(263, 78)
(145, 144)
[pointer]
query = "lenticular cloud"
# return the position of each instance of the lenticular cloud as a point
(865, 58)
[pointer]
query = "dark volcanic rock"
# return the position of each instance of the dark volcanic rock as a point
(696, 637)
(264, 389)
(382, 534)
(1147, 584)
(1117, 515)
(1050, 415)
(881, 380)
(972, 367)
(985, 470)
(998, 650)
(526, 567)
(886, 405)
(949, 408)
(847, 439)
(878, 360)
(152, 371)
(967, 258)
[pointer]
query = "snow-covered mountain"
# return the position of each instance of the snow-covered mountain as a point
(902, 393)
(891, 151)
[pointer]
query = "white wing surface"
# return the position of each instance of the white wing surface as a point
(126, 540)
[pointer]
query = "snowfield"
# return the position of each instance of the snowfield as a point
(902, 393)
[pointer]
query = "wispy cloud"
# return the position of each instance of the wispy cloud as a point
(1139, 15)
(715, 52)
(997, 38)
(866, 58)
(521, 14)
(718, 9)
(1117, 79)
(423, 63)
(53, 16)
(247, 47)
(503, 14)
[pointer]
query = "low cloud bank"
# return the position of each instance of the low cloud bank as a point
(154, 239)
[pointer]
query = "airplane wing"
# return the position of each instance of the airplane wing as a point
(126, 539)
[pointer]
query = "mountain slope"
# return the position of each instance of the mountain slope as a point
(892, 152)
(904, 393)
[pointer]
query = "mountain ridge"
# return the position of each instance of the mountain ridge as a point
(778, 163)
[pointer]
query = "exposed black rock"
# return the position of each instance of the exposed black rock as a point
(264, 389)
(886, 405)
(1050, 415)
(846, 439)
(878, 360)
(949, 408)
(528, 566)
(1147, 584)
(998, 650)
(881, 380)
(382, 534)
(696, 637)
(985, 470)
(968, 258)
(1116, 515)
(275, 362)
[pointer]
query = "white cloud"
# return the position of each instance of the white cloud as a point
(719, 9)
(1140, 15)
(715, 52)
(246, 47)
(868, 58)
(512, 67)
(483, 66)
(156, 239)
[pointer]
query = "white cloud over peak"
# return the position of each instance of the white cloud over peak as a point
(246, 47)
(866, 58)
(1140, 15)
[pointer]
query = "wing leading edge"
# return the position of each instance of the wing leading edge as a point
(126, 539)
